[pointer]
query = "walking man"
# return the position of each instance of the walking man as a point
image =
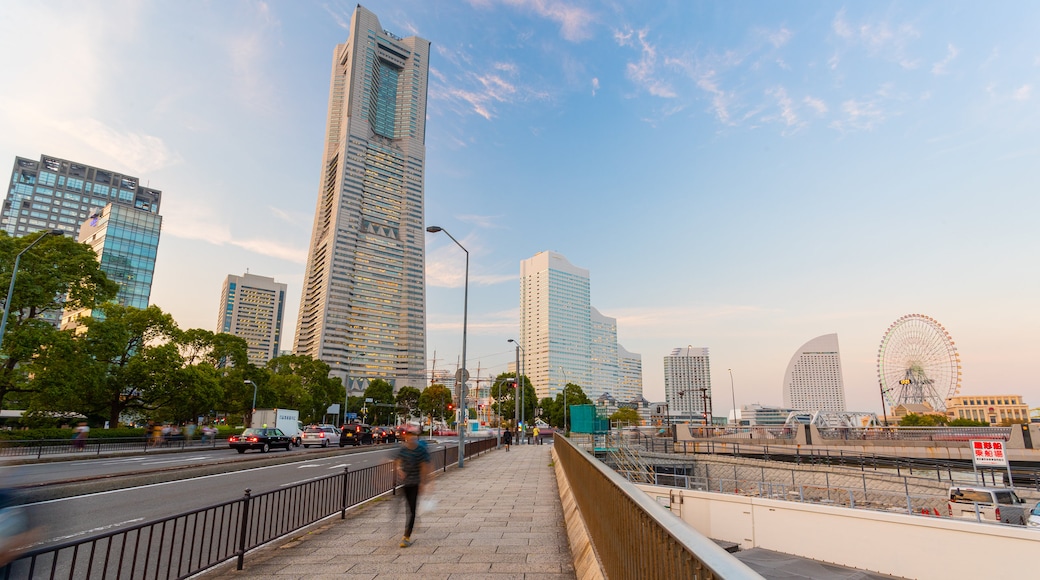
(507, 438)
(413, 467)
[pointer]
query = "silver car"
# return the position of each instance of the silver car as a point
(320, 435)
(1034, 517)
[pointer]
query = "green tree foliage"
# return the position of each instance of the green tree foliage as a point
(508, 402)
(302, 383)
(574, 396)
(967, 423)
(929, 420)
(55, 268)
(408, 401)
(626, 415)
(381, 393)
(434, 400)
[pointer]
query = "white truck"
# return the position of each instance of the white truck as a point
(288, 420)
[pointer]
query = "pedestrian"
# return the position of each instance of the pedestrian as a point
(507, 438)
(413, 467)
(536, 438)
(80, 437)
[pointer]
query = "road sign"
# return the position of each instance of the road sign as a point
(461, 376)
(988, 454)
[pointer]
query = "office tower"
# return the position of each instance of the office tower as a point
(126, 241)
(363, 305)
(252, 307)
(630, 367)
(813, 380)
(566, 340)
(55, 193)
(687, 384)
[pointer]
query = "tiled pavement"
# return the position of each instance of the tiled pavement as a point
(498, 518)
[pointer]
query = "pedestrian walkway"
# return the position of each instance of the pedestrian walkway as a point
(499, 517)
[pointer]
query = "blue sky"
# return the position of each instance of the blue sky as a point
(743, 176)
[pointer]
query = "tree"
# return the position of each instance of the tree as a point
(574, 396)
(381, 394)
(967, 423)
(434, 400)
(407, 402)
(507, 403)
(626, 415)
(927, 420)
(57, 273)
(303, 383)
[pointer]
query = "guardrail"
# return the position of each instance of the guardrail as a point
(185, 544)
(634, 536)
(96, 446)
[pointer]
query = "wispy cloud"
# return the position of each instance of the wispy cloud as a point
(816, 105)
(720, 101)
(862, 115)
(248, 46)
(198, 221)
(1022, 93)
(445, 268)
(482, 221)
(480, 92)
(939, 68)
(643, 72)
(787, 114)
(879, 38)
(595, 86)
(575, 22)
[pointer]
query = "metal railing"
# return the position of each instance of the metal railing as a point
(915, 433)
(185, 544)
(634, 536)
(47, 447)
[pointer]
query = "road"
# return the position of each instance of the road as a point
(74, 518)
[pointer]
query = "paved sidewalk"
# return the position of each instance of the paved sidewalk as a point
(498, 518)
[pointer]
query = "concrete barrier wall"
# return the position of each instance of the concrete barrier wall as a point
(898, 544)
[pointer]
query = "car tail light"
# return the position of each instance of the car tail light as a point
(233, 438)
(321, 435)
(997, 513)
(252, 439)
(949, 506)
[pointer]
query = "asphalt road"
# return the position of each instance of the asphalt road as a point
(72, 518)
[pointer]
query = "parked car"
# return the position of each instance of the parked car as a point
(320, 435)
(355, 434)
(1034, 517)
(263, 439)
(994, 504)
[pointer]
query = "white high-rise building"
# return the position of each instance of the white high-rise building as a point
(252, 307)
(687, 383)
(363, 305)
(566, 340)
(813, 379)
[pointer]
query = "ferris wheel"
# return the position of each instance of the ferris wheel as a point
(918, 363)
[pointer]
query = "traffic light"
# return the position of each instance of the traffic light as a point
(451, 407)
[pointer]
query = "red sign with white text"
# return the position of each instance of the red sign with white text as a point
(988, 454)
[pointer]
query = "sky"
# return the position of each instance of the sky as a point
(740, 175)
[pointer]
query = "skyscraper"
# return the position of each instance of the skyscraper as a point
(126, 241)
(813, 380)
(363, 305)
(687, 383)
(253, 307)
(54, 193)
(565, 339)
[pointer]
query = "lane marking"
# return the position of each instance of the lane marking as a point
(60, 539)
(341, 465)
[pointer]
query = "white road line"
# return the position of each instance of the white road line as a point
(84, 532)
(179, 460)
(340, 466)
(302, 481)
(307, 466)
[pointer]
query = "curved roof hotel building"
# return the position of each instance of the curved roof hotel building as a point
(813, 380)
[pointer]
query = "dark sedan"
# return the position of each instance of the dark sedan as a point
(263, 439)
(356, 434)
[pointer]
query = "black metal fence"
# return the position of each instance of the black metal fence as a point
(39, 448)
(188, 543)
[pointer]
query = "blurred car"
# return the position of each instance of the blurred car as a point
(263, 439)
(355, 434)
(384, 435)
(320, 435)
(1034, 517)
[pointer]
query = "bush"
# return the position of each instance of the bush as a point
(56, 433)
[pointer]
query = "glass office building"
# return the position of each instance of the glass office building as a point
(363, 303)
(126, 241)
(55, 193)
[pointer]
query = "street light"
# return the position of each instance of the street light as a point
(14, 274)
(463, 374)
(566, 381)
(734, 393)
(253, 412)
(520, 411)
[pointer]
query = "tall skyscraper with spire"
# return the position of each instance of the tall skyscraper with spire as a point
(363, 308)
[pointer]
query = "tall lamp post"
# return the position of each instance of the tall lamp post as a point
(566, 381)
(253, 412)
(520, 387)
(734, 393)
(14, 274)
(463, 373)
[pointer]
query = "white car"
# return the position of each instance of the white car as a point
(1034, 517)
(320, 435)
